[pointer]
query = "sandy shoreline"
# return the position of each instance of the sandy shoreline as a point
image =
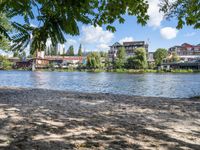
(46, 119)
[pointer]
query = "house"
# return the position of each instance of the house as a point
(130, 48)
(23, 64)
(179, 65)
(186, 52)
(72, 61)
(40, 63)
(14, 59)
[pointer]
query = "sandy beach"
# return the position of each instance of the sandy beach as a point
(39, 119)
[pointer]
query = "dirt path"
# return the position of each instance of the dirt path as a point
(56, 120)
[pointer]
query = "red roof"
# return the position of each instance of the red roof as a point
(186, 45)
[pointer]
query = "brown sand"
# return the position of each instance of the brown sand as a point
(56, 120)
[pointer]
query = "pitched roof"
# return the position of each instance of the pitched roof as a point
(187, 44)
(134, 43)
(116, 44)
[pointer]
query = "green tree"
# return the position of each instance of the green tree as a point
(80, 50)
(141, 56)
(131, 63)
(159, 55)
(93, 60)
(5, 64)
(103, 54)
(69, 13)
(7, 27)
(16, 54)
(57, 18)
(186, 11)
(121, 58)
(71, 51)
(139, 61)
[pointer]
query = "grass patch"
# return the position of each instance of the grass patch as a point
(95, 70)
(182, 71)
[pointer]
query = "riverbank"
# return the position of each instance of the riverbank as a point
(131, 71)
(46, 119)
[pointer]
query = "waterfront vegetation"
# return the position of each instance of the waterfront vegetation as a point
(98, 62)
(5, 64)
(129, 71)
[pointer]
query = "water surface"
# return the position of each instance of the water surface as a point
(152, 84)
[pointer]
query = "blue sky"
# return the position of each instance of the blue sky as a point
(163, 36)
(158, 32)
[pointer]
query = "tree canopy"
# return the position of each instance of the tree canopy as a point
(80, 53)
(138, 61)
(93, 60)
(186, 11)
(121, 58)
(70, 51)
(159, 55)
(5, 28)
(4, 63)
(57, 18)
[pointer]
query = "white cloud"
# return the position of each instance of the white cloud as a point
(96, 36)
(190, 34)
(71, 42)
(103, 46)
(126, 39)
(155, 17)
(68, 43)
(168, 33)
(93, 34)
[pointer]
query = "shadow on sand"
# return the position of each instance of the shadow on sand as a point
(44, 119)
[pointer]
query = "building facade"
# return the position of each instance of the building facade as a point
(186, 52)
(130, 48)
(150, 57)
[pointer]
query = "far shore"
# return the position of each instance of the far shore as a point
(49, 119)
(130, 71)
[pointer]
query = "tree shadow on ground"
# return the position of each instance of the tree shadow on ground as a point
(45, 119)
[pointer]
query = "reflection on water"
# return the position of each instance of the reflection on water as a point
(165, 85)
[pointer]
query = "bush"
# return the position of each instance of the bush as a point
(5, 64)
(93, 61)
(139, 61)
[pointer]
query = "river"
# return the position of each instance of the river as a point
(150, 84)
